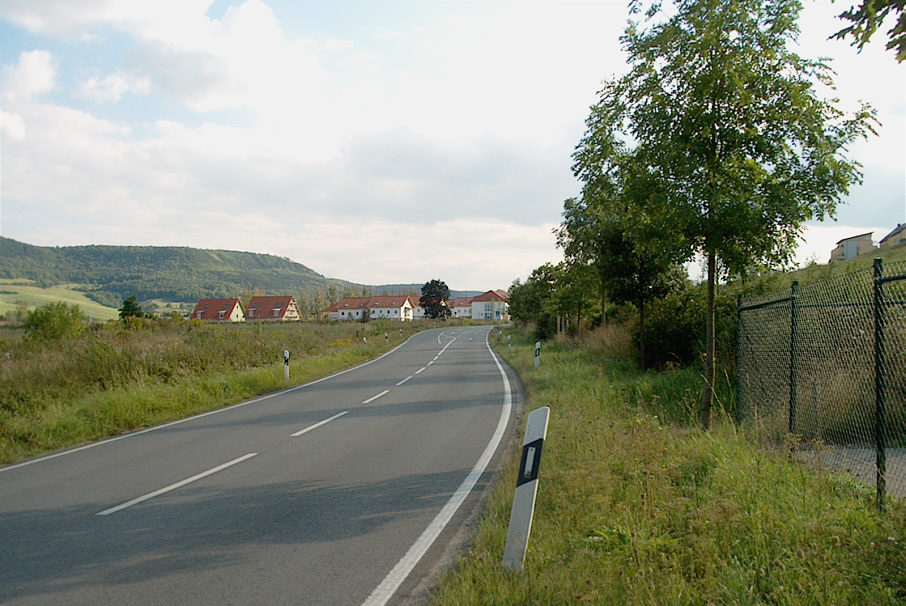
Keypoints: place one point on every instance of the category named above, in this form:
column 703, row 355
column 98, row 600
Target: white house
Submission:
column 389, row 307
column 491, row 305
column 461, row 307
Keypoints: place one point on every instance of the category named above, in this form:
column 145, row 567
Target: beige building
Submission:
column 852, row 247
column 894, row 238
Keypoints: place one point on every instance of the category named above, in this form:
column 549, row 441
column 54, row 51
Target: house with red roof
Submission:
column 461, row 307
column 274, row 308
column 491, row 305
column 391, row 307
column 219, row 310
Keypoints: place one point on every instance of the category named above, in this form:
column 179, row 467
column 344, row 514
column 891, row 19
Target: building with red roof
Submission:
column 219, row 310
column 274, row 308
column 491, row 305
column 392, row 307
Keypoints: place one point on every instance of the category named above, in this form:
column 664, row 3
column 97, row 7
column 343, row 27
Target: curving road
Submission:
column 328, row 493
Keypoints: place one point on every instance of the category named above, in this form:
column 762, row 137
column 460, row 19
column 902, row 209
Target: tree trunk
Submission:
column 710, row 361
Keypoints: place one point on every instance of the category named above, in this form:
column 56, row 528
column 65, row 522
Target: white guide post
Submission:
column 286, row 365
column 526, row 489
column 537, row 353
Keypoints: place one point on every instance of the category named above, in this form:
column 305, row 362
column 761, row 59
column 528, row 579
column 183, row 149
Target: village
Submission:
column 491, row 305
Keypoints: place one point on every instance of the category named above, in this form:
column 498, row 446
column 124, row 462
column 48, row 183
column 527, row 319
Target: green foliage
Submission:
column 434, row 299
column 55, row 321
column 868, row 17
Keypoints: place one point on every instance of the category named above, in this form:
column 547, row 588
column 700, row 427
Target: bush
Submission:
column 55, row 321
column 675, row 327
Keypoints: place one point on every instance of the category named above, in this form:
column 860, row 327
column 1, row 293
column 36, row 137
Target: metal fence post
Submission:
column 794, row 329
column 880, row 404
column 739, row 341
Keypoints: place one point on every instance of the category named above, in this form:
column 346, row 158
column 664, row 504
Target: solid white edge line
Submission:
column 373, row 398
column 179, row 484
column 201, row 415
column 385, row 590
column 404, row 380
column 318, row 424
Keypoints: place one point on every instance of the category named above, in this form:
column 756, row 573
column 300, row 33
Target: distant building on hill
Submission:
column 218, row 310
column 278, row 309
column 852, row 247
column 894, row 238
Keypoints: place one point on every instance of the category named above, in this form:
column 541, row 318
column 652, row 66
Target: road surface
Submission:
column 328, row 493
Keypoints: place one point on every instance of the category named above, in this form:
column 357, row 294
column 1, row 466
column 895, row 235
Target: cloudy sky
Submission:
column 374, row 141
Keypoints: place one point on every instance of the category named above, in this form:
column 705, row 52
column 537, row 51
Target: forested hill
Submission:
column 159, row 272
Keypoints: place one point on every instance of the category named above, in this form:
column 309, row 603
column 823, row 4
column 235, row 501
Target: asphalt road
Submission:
column 329, row 493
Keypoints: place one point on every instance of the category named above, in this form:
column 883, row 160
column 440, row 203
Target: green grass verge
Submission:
column 16, row 293
column 638, row 506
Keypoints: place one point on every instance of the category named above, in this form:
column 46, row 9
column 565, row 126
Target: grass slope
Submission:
column 635, row 509
column 15, row 293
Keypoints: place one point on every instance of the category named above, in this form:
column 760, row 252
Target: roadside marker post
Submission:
column 286, row 365
column 526, row 489
column 537, row 353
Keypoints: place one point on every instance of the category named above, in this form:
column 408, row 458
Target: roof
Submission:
column 461, row 302
column 898, row 229
column 387, row 301
column 855, row 237
column 263, row 306
column 210, row 308
column 492, row 295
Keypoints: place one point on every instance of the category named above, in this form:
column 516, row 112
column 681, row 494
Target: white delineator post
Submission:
column 286, row 365
column 526, row 489
column 537, row 353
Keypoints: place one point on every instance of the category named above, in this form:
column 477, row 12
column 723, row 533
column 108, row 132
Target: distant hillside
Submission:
column 167, row 273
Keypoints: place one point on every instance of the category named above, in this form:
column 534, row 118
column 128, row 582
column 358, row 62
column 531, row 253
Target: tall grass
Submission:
column 59, row 393
column 637, row 505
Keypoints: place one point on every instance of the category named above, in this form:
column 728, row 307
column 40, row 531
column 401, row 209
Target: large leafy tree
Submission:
column 726, row 120
column 434, row 299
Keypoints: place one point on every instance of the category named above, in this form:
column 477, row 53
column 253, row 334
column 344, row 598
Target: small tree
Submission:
column 131, row 309
column 434, row 299
column 725, row 118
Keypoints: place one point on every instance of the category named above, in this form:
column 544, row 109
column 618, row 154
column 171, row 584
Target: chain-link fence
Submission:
column 822, row 370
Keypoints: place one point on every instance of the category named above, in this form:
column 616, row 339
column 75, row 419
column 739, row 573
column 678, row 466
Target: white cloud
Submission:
column 12, row 125
column 111, row 88
column 33, row 75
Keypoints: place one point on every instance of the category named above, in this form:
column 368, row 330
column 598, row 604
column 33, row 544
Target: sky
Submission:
column 379, row 142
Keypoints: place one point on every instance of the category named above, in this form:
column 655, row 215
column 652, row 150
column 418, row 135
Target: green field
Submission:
column 15, row 293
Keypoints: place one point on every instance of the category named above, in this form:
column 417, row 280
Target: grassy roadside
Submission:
column 59, row 394
column 637, row 507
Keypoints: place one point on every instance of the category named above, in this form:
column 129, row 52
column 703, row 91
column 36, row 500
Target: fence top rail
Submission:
column 752, row 306
column 892, row 278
